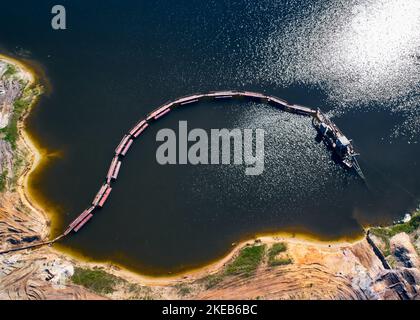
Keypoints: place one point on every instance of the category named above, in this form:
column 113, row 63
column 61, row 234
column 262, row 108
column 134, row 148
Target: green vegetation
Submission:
column 391, row 231
column 212, row 280
column 10, row 71
column 247, row 262
column 20, row 106
column 281, row 262
column 18, row 164
column 274, row 251
column 3, row 181
column 388, row 232
column 183, row 289
column 139, row 292
column 11, row 131
column 96, row 280
column 134, row 288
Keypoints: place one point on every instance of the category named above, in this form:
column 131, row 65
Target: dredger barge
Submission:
column 333, row 137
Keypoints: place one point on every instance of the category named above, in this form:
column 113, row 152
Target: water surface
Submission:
column 358, row 60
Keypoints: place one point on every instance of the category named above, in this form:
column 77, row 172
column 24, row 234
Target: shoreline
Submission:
column 35, row 158
column 210, row 268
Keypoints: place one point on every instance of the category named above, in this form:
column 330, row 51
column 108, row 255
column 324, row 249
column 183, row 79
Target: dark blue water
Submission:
column 119, row 60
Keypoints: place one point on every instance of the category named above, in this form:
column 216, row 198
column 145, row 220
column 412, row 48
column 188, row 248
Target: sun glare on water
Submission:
column 378, row 46
column 360, row 53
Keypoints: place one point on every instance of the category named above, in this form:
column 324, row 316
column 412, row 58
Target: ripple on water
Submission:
column 363, row 54
column 298, row 171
